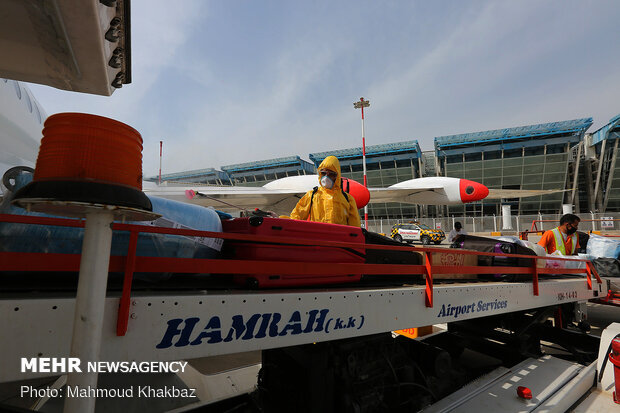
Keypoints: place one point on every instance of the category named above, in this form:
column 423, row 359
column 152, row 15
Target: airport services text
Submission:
column 476, row 307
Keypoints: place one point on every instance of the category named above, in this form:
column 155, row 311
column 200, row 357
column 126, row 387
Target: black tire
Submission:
column 437, row 242
column 425, row 240
column 8, row 179
column 398, row 238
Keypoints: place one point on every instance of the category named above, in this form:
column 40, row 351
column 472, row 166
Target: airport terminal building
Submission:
column 528, row 157
column 256, row 173
column 559, row 155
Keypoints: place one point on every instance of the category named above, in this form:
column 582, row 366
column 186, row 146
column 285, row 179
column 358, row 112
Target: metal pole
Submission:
column 364, row 163
column 160, row 150
column 598, row 175
column 506, row 217
column 89, row 306
column 540, row 219
column 361, row 105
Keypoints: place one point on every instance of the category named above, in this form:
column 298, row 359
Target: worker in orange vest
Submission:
column 563, row 238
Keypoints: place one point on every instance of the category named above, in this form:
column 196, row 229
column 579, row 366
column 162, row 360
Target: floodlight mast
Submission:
column 361, row 105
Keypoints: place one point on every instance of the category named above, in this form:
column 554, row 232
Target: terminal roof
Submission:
column 189, row 174
column 371, row 150
column 609, row 131
column 531, row 131
column 268, row 163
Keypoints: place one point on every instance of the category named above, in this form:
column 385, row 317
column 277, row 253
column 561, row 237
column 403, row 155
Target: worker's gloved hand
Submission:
column 260, row 213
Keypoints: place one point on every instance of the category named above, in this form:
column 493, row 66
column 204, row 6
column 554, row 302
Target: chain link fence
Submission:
column 608, row 222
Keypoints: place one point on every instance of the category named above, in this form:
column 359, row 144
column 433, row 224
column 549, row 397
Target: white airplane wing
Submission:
column 282, row 195
column 407, row 195
column 82, row 46
column 436, row 190
column 231, row 198
column 520, row 193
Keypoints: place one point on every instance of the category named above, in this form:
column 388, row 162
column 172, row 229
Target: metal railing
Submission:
column 605, row 222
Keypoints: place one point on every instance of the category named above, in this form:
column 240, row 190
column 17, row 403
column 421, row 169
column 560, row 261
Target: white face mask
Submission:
column 326, row 182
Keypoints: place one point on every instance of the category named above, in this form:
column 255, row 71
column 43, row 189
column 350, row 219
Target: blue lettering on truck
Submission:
column 475, row 307
column 193, row 331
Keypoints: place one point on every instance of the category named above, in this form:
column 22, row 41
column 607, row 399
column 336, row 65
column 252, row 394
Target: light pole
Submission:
column 361, row 105
column 161, row 143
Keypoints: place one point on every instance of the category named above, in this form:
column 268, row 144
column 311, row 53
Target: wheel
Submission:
column 437, row 242
column 398, row 238
column 9, row 177
column 425, row 240
column 584, row 326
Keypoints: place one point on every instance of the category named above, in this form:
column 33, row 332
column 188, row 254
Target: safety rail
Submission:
column 534, row 227
column 535, row 231
column 523, row 235
column 47, row 262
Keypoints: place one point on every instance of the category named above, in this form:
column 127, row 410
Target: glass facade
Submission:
column 381, row 174
column 610, row 182
column 606, row 141
column 208, row 176
column 513, row 170
column 532, row 157
column 259, row 173
column 261, row 176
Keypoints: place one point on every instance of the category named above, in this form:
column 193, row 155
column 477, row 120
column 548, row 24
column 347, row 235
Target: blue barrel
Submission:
column 64, row 240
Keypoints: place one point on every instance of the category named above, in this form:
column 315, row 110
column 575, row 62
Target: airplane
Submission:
column 281, row 195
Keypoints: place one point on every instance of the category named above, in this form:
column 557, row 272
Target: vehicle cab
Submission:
column 414, row 231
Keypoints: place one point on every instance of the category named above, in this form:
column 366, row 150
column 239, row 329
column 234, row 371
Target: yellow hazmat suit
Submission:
column 328, row 205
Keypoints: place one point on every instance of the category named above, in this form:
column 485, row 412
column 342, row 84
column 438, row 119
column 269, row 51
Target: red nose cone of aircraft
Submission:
column 472, row 191
column 357, row 191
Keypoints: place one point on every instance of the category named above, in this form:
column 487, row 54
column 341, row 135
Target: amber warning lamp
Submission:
column 87, row 162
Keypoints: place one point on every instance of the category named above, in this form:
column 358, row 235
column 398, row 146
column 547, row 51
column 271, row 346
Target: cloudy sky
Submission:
column 223, row 82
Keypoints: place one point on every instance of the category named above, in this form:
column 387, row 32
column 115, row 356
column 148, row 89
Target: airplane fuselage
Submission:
column 21, row 122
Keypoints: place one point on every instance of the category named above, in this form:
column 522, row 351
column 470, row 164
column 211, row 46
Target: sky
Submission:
column 225, row 82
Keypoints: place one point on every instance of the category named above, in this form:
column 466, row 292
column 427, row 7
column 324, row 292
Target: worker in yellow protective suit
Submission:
column 328, row 202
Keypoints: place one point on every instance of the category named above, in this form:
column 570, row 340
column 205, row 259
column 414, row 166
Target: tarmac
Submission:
column 602, row 315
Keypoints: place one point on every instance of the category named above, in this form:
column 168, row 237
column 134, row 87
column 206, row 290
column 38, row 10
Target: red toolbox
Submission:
column 302, row 230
